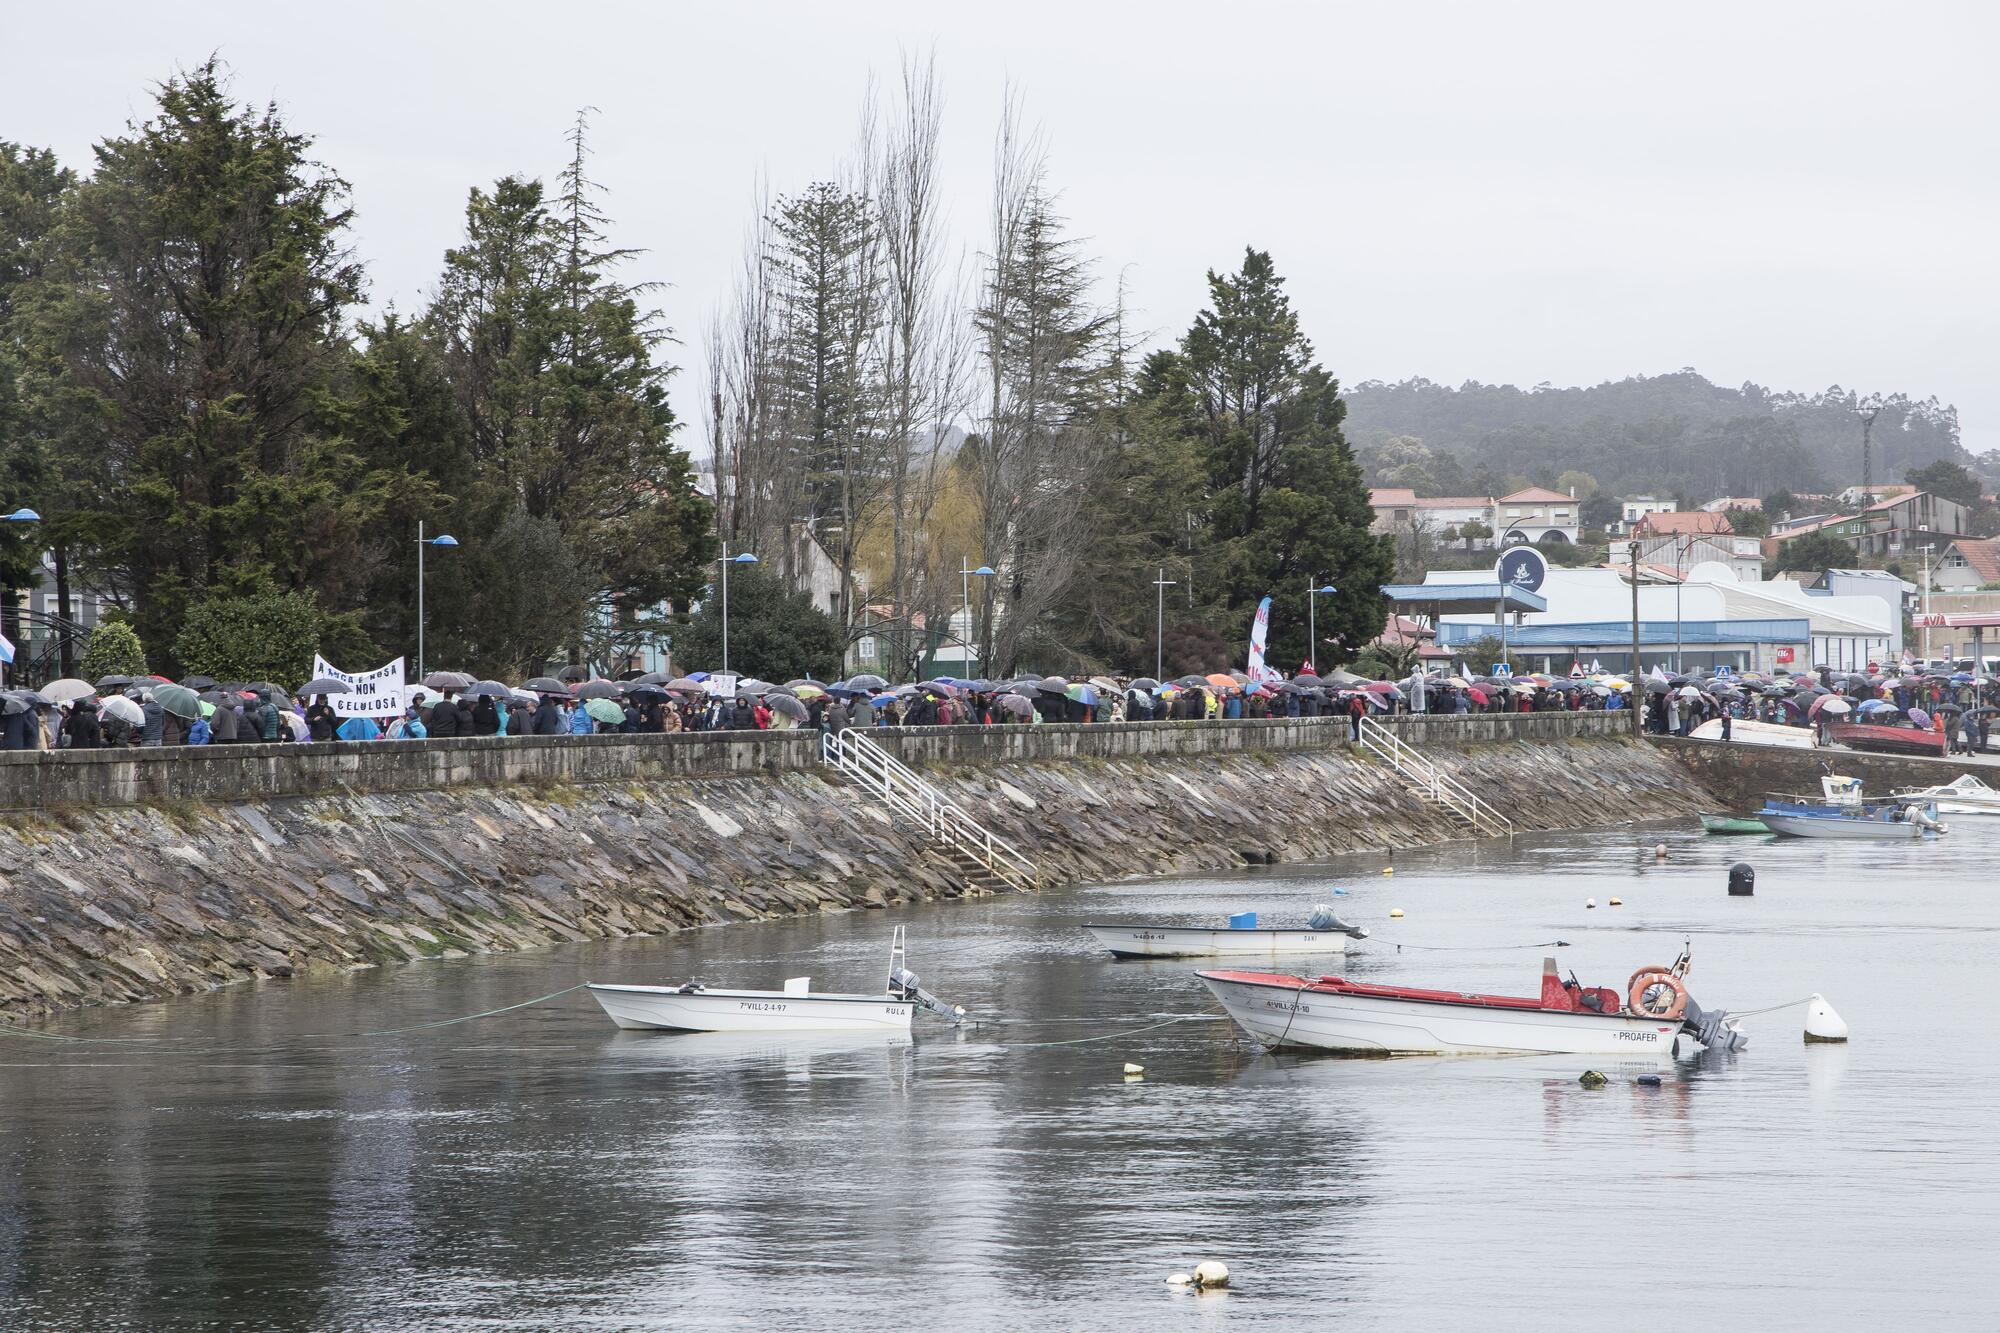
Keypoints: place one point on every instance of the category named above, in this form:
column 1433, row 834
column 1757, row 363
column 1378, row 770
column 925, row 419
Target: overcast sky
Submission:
column 1800, row 195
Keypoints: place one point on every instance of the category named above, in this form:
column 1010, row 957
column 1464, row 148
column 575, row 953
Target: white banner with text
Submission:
column 377, row 693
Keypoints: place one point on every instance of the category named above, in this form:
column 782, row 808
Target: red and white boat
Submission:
column 1657, row 1019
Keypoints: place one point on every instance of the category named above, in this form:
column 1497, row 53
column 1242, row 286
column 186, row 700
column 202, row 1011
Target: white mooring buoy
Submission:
column 1134, row 1069
column 1211, row 1273
column 1396, row 912
column 1590, row 902
column 1822, row 1024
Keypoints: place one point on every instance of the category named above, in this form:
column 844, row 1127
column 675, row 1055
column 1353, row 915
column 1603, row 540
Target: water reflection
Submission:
column 542, row 1169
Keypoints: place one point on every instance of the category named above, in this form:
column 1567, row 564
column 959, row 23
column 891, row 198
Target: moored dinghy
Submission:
column 1242, row 938
column 1658, row 1020
column 797, row 1008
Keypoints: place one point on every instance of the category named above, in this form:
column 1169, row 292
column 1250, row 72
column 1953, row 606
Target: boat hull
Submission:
column 667, row 1009
column 1757, row 733
column 1288, row 1016
column 1733, row 824
column 1140, row 941
column 1841, row 829
column 1887, row 740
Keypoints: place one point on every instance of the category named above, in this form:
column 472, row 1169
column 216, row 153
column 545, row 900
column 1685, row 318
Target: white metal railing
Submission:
column 882, row 774
column 1433, row 781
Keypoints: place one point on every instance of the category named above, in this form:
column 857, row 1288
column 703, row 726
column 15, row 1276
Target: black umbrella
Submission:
column 200, row 682
column 33, row 699
column 112, row 683
column 597, row 689
column 1307, row 679
column 573, row 674
column 643, row 692
column 1026, row 689
column 488, row 689
column 266, row 687
column 546, row 685
column 322, row 685
column 11, row 704
column 447, row 680
column 868, row 682
column 786, row 704
column 1192, row 682
column 1144, row 683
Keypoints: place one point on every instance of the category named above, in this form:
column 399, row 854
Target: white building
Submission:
column 1535, row 515
column 1710, row 619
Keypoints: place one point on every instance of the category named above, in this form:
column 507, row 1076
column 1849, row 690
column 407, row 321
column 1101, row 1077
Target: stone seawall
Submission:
column 99, row 778
column 109, row 905
column 1741, row 776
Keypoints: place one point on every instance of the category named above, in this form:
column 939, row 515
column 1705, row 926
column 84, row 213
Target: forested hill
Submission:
column 1660, row 434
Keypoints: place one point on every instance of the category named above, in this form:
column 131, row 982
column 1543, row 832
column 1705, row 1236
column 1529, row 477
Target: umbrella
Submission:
column 1690, row 692
column 525, row 699
column 1221, row 680
column 448, row 680
column 1830, row 705
column 1192, row 682
column 200, row 682
column 868, row 682
column 1083, row 694
column 573, row 674
column 1310, row 681
column 68, row 690
column 178, row 700
column 34, row 698
column 112, row 683
column 117, row 705
column 597, row 689
column 550, row 685
column 786, row 704
column 944, row 685
column 207, row 708
column 1144, row 683
column 1015, row 704
column 1921, row 718
column 1055, row 684
column 603, row 709
column 1876, row 706
column 10, row 704
column 804, row 690
column 756, row 689
column 488, row 689
column 644, row 693
column 300, row 731
column 685, row 685
column 1106, row 684
column 322, row 685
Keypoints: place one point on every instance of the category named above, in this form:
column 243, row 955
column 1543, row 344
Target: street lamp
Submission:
column 740, row 558
column 1312, row 621
column 21, row 515
column 965, row 587
column 1162, row 583
column 444, row 539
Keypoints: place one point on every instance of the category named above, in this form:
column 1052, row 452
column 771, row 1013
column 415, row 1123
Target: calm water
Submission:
column 538, row 1169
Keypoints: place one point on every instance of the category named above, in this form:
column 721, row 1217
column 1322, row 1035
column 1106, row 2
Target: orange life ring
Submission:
column 1646, row 979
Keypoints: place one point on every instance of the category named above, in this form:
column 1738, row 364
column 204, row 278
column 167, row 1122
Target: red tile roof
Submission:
column 1536, row 495
column 1391, row 495
column 1982, row 554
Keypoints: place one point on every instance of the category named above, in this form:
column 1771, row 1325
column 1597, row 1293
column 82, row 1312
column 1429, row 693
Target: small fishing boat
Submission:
column 695, row 1007
column 1742, row 731
column 1241, row 938
column 1843, row 815
column 1964, row 795
column 1870, row 825
column 1658, row 1019
column 1733, row 824
column 1882, row 739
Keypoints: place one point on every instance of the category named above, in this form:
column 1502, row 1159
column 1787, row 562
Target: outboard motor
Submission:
column 1714, row 1028
column 1322, row 918
column 903, row 986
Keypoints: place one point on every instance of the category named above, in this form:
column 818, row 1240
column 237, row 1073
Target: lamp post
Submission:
column 1161, row 584
column 965, row 588
column 443, row 539
column 1312, row 620
column 740, row 558
column 21, row 515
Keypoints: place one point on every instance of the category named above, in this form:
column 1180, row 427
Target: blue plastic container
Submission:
column 1243, row 921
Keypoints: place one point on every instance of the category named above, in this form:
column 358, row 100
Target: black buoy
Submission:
column 1742, row 880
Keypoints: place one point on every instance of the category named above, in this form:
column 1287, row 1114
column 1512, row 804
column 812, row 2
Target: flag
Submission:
column 1260, row 630
column 6, row 649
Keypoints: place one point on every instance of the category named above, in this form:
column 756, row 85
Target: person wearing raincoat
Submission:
column 322, row 723
column 410, row 726
column 153, row 730
column 580, row 722
column 80, row 729
column 359, row 729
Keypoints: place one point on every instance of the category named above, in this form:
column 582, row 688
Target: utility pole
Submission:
column 1868, row 416
column 1161, row 584
column 1638, row 685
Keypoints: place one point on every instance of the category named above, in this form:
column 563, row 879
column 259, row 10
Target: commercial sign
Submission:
column 1522, row 566
column 377, row 693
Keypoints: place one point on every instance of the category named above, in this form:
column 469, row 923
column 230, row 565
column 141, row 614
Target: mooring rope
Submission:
column 1769, row 1008
column 1113, row 1036
column 1475, row 948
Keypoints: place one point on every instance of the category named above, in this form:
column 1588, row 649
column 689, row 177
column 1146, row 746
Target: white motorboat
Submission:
column 1323, row 934
column 695, row 1007
column 1659, row 1020
column 1742, row 731
column 1963, row 795
column 1854, row 826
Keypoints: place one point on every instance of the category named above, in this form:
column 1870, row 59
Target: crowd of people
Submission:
column 152, row 711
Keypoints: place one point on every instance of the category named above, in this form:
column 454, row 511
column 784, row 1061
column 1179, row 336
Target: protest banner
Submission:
column 377, row 693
